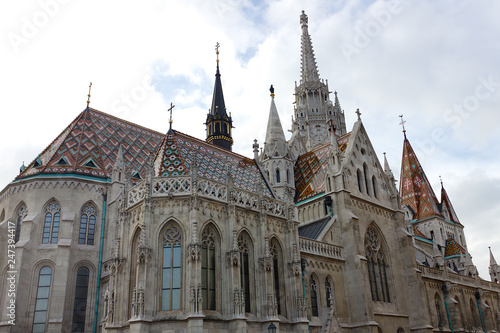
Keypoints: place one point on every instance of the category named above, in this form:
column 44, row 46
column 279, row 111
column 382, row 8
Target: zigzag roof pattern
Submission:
column 179, row 152
column 89, row 146
column 310, row 170
column 453, row 248
column 414, row 188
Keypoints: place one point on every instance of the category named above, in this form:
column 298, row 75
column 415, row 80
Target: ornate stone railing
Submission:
column 273, row 207
column 212, row 189
column 170, row 185
column 136, row 193
column 245, row 199
column 182, row 185
column 430, row 272
column 490, row 285
column 319, row 248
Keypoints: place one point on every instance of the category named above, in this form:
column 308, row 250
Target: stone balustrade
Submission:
column 183, row 185
column 319, row 248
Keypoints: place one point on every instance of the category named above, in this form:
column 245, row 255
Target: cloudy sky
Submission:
column 434, row 62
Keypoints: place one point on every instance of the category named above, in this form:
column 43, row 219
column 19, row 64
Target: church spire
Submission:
column 219, row 124
column 275, row 137
column 414, row 188
column 308, row 61
column 492, row 259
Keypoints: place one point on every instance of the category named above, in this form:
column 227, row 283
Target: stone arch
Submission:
column 439, row 311
column 51, row 217
column 88, row 222
column 378, row 264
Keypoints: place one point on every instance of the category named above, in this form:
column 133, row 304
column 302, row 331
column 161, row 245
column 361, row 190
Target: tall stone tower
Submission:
column 314, row 112
column 219, row 124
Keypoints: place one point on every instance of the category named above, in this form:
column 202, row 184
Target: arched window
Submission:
column 475, row 317
column 365, row 172
column 51, row 223
column 171, row 270
column 22, row 211
column 330, row 301
column 275, row 251
column 288, row 176
column 458, row 313
column 360, row 181
column 439, row 309
column 87, row 225
column 377, row 266
column 208, row 268
column 278, row 180
column 329, row 184
column 374, row 186
column 245, row 248
column 314, row 298
column 42, row 300
column 80, row 306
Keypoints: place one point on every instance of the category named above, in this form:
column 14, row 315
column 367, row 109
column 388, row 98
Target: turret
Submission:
column 494, row 268
column 219, row 124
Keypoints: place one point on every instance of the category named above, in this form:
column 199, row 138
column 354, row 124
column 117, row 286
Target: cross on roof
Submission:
column 402, row 123
column 88, row 99
column 217, row 45
column 358, row 113
column 170, row 110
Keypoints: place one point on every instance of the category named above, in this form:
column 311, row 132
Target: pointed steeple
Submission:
column 313, row 108
column 308, row 61
column 219, row 124
column 492, row 259
column 446, row 204
column 414, row 188
column 275, row 137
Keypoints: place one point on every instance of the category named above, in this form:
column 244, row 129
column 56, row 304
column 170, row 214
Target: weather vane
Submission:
column 88, row 99
column 170, row 110
column 217, row 45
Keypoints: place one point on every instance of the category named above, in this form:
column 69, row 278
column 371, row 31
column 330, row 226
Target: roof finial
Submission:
column 88, row 99
column 359, row 114
column 170, row 110
column 441, row 180
column 217, row 45
column 402, row 123
column 271, row 90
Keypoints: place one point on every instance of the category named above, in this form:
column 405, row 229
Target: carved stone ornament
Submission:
column 233, row 258
column 194, row 250
column 266, row 262
column 294, row 267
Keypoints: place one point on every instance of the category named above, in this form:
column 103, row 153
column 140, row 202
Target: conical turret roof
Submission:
column 414, row 188
column 275, row 137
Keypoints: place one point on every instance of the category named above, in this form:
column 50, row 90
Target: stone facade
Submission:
column 117, row 228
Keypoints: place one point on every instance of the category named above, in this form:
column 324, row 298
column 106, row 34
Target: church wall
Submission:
column 64, row 258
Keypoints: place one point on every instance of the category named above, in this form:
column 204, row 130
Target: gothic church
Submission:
column 118, row 228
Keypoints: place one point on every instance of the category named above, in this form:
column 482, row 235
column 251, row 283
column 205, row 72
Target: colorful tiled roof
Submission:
column 89, row 145
column 453, row 248
column 418, row 233
column 179, row 151
column 310, row 171
column 414, row 188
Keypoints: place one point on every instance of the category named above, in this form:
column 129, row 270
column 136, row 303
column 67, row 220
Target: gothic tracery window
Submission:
column 171, row 270
column 244, row 246
column 275, row 252
column 314, row 297
column 21, row 214
column 51, row 223
column 377, row 266
column 208, row 268
column 87, row 225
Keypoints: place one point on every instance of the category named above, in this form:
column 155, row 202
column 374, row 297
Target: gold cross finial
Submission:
column 170, row 110
column 88, row 99
column 402, row 123
column 217, row 45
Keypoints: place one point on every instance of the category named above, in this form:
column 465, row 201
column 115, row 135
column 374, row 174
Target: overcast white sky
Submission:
column 435, row 62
